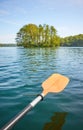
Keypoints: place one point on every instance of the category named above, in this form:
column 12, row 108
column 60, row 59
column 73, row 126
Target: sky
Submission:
column 65, row 15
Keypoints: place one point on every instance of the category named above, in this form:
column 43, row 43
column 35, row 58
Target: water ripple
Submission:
column 22, row 72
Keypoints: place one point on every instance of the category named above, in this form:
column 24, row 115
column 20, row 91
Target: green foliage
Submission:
column 76, row 40
column 32, row 35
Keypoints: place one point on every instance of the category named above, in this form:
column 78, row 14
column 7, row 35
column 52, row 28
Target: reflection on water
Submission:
column 57, row 121
column 22, row 72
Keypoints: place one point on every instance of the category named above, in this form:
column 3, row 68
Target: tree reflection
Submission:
column 57, row 121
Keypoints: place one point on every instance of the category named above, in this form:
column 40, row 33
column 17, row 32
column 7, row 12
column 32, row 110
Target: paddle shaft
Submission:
column 12, row 122
column 55, row 83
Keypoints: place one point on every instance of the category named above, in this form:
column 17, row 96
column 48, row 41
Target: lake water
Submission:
column 22, row 72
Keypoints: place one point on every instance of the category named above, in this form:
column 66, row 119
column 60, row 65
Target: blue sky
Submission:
column 65, row 15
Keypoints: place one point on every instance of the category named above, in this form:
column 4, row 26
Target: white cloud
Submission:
column 4, row 12
column 64, row 31
column 21, row 10
column 55, row 3
column 7, row 38
column 78, row 2
column 8, row 21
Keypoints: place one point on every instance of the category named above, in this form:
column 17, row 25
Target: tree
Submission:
column 52, row 33
column 76, row 40
column 40, row 34
column 27, row 35
column 32, row 35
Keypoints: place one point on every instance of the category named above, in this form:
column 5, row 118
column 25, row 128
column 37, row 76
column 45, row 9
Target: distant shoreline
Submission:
column 15, row 45
column 7, row 45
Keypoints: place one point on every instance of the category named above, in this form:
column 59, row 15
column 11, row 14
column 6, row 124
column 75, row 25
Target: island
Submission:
column 32, row 35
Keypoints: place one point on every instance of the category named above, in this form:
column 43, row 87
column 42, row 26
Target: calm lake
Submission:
column 22, row 72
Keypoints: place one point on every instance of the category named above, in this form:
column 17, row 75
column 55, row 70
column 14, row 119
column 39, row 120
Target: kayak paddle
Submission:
column 54, row 84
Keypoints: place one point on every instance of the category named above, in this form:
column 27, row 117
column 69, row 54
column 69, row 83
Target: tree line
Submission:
column 76, row 40
column 32, row 35
column 7, row 45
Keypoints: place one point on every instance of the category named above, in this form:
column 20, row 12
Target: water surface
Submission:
column 21, row 73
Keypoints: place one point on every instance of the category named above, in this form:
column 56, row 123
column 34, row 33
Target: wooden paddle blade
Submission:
column 55, row 83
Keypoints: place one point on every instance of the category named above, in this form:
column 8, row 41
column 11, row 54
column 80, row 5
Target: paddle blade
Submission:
column 55, row 83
